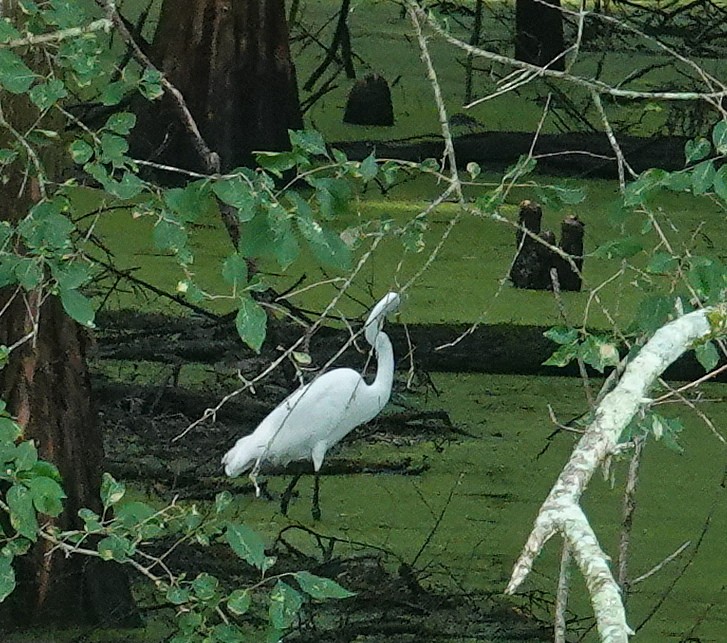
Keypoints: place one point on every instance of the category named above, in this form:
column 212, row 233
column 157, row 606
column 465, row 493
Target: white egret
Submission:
column 320, row 414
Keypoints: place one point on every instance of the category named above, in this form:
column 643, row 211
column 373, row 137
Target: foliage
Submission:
column 207, row 608
column 692, row 280
column 289, row 206
column 48, row 251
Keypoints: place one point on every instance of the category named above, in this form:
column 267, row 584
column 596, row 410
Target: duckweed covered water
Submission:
column 497, row 481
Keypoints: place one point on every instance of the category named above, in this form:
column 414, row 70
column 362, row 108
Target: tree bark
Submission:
column 231, row 61
column 47, row 388
column 539, row 33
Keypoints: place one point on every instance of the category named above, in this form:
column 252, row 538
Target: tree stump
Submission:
column 369, row 102
column 534, row 260
column 527, row 267
column 571, row 242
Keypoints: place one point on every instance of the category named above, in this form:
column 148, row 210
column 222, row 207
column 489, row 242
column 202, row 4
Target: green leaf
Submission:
column 666, row 429
column 189, row 623
column 619, row 248
column 598, row 353
column 22, row 514
column 708, row 277
column 8, row 32
column 697, row 149
column 113, row 93
column 228, row 633
column 247, row 544
column 46, row 226
column 251, row 323
column 140, row 517
column 91, row 520
column 662, row 263
column 70, row 274
column 720, row 183
column 237, row 192
column 150, row 84
column 178, row 595
column 563, row 356
column 29, row 273
column 562, row 335
column 7, row 156
column 15, row 75
column 326, row 245
column 7, row 574
column 128, row 187
column 707, row 355
column 639, row 190
column 309, row 141
column 78, row 307
column 170, row 235
column 678, row 181
column 703, row 177
column 113, row 148
column 321, row 588
column 9, row 430
column 47, row 495
column 121, row 123
column 111, row 490
column 26, row 456
column 239, row 602
column 719, row 137
column 369, row 168
column 652, row 313
column 234, row 270
column 115, row 547
column 285, row 603
column 569, row 196
column 191, row 202
column 222, row 501
column 44, row 95
column 47, row 470
column 81, row 152
column 277, row 162
column 333, row 196
column 205, row 586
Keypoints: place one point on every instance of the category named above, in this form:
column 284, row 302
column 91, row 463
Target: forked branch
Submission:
column 561, row 511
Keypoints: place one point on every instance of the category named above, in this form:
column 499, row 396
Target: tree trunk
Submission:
column 231, row 61
column 46, row 387
column 539, row 33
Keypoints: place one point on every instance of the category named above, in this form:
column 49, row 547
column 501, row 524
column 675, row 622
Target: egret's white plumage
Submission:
column 320, row 414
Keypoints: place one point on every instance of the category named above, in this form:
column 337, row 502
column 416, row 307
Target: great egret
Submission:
column 321, row 413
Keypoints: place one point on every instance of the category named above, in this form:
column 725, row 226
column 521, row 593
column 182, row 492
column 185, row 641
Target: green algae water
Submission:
column 489, row 487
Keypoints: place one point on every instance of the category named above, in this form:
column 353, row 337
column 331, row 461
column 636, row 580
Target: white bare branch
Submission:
column 561, row 512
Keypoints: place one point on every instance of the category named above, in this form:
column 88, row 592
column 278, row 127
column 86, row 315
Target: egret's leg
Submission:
column 316, row 509
column 288, row 493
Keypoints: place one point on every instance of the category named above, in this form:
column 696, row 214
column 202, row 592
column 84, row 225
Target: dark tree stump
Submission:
column 534, row 260
column 571, row 242
column 526, row 269
column 539, row 33
column 369, row 102
column 546, row 259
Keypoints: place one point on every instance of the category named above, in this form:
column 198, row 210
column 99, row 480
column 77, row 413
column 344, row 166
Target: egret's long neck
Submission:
column 381, row 386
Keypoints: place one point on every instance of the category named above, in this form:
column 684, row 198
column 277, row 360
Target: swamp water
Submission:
column 490, row 486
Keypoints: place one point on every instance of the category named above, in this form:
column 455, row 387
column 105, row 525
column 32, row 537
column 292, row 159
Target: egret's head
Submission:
column 242, row 456
column 388, row 304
